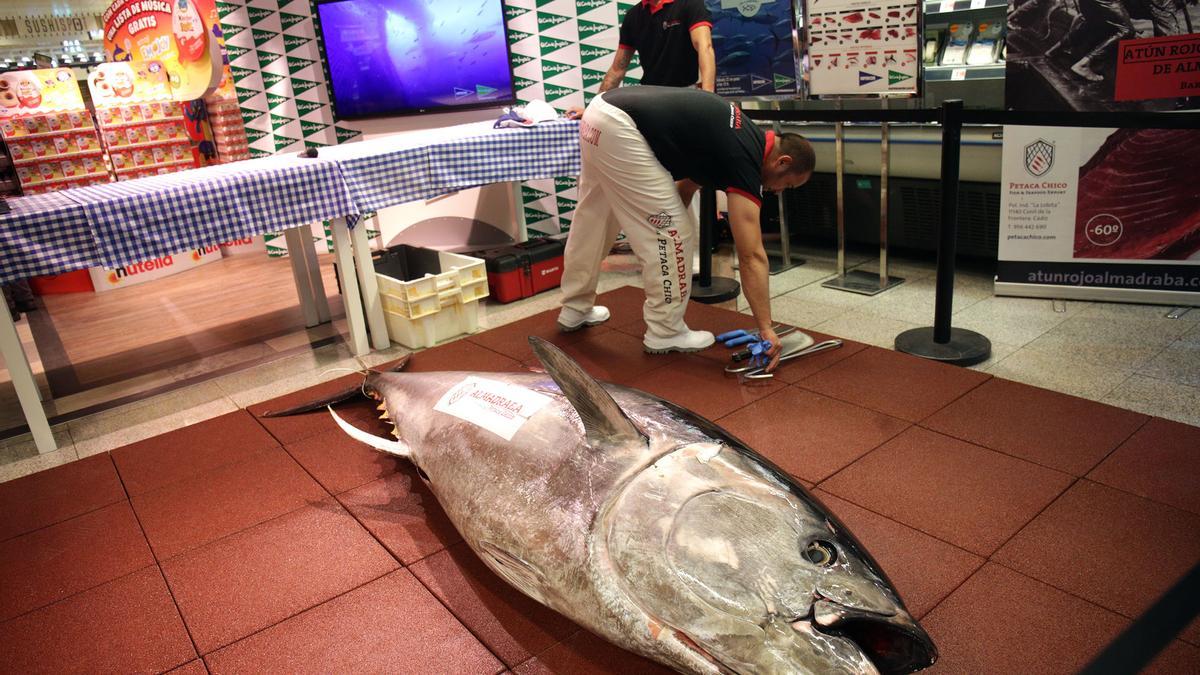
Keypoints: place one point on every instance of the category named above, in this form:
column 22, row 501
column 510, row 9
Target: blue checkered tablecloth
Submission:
column 163, row 215
column 484, row 155
column 383, row 172
column 44, row 234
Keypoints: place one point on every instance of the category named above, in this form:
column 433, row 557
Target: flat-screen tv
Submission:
column 404, row 57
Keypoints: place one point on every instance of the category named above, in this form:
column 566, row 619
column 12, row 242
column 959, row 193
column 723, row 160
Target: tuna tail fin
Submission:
column 603, row 419
column 384, row 444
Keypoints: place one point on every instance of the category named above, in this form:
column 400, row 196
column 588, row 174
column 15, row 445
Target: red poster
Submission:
column 1160, row 67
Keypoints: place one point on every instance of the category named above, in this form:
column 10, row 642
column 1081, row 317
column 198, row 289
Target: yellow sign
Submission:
column 29, row 92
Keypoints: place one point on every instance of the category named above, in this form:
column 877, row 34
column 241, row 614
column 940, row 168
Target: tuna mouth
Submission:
column 895, row 644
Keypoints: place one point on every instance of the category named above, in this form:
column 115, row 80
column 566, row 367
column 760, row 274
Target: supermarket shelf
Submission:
column 160, row 165
column 47, row 134
column 125, row 125
column 26, row 161
column 993, row 71
column 933, row 7
column 150, row 144
column 68, row 179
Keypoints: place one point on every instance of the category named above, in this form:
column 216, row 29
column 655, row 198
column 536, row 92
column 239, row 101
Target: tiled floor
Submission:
column 1026, row 528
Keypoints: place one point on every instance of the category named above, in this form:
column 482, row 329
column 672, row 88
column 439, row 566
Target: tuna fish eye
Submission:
column 820, row 553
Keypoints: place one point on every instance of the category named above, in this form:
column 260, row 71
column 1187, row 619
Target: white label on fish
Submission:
column 489, row 404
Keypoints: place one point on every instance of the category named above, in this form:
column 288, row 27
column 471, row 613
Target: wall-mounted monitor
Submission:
column 405, row 57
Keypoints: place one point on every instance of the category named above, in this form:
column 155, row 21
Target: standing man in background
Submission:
column 673, row 40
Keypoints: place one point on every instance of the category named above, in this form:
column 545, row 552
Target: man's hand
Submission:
column 776, row 349
column 574, row 113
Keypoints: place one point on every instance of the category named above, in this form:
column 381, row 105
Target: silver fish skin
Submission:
column 647, row 524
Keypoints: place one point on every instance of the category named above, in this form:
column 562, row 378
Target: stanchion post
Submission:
column 705, row 287
column 956, row 346
column 948, row 235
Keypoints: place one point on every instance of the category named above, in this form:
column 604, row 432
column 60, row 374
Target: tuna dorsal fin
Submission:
column 603, row 419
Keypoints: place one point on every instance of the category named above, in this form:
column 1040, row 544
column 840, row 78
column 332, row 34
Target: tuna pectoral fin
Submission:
column 603, row 419
column 385, row 444
column 336, row 397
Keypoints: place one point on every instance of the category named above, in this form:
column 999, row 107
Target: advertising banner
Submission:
column 176, row 33
column 1092, row 211
column 755, row 52
column 863, row 47
column 32, row 92
column 105, row 279
column 1103, row 55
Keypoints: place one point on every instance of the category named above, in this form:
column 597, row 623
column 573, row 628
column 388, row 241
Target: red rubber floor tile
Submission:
column 401, row 512
column 512, row 625
column 701, row 386
column 391, row 625
column 58, row 494
column 1161, row 461
column 340, row 463
column 194, row 512
column 970, row 496
column 512, row 340
column 125, row 626
column 294, row 428
column 59, row 561
column 190, row 668
column 809, row 435
column 925, row 570
column 462, row 355
column 1045, row 427
column 256, row 578
column 586, row 654
column 1115, row 549
column 615, row 357
column 896, row 384
column 1000, row 621
column 176, row 455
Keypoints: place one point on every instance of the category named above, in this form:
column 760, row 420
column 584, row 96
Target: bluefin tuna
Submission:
column 646, row 523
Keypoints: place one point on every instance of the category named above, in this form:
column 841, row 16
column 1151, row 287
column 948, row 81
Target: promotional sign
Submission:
column 1093, row 55
column 175, row 33
column 1100, row 209
column 755, row 52
column 29, row 92
column 858, row 47
column 1163, row 67
column 105, row 279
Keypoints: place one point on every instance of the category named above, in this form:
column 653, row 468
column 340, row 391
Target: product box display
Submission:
column 49, row 132
column 144, row 132
column 522, row 270
column 958, row 40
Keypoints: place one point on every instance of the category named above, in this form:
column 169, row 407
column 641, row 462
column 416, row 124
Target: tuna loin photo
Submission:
column 1139, row 197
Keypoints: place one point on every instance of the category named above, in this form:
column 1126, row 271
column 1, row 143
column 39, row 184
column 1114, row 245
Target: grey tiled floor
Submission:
column 1125, row 355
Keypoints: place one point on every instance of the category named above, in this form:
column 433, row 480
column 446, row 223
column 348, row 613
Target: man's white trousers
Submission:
column 622, row 186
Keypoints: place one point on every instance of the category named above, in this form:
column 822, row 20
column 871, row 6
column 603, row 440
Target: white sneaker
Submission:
column 572, row 319
column 687, row 341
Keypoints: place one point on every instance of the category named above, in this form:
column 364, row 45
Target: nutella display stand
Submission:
column 142, row 129
column 49, row 131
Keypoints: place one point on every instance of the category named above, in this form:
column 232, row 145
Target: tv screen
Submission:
column 399, row 57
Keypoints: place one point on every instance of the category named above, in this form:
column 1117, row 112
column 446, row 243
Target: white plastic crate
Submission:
column 436, row 306
column 453, row 319
column 457, row 271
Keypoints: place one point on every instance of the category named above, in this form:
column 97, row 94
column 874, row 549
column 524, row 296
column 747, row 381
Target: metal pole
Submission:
column 885, row 160
column 941, row 342
column 947, row 246
column 840, row 168
column 708, row 216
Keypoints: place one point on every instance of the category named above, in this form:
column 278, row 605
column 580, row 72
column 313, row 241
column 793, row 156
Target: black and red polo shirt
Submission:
column 660, row 32
column 698, row 135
